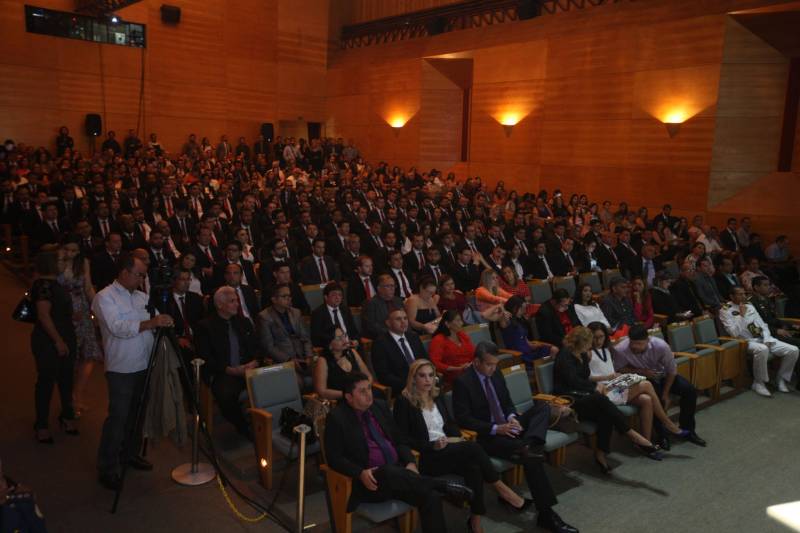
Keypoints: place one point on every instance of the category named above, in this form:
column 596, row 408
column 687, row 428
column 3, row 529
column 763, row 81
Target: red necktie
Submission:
column 367, row 289
column 323, row 275
column 208, row 254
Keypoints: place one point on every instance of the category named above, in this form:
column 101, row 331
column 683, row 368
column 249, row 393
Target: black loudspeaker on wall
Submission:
column 94, row 125
column 528, row 9
column 170, row 14
column 267, row 131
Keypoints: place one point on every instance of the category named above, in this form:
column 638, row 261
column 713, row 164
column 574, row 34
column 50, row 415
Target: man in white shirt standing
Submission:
column 126, row 327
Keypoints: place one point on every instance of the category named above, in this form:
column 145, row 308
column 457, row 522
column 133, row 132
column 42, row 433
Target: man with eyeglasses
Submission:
column 283, row 333
column 376, row 310
column 126, row 327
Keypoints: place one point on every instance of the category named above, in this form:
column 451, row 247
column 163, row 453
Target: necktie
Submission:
column 472, row 247
column 208, row 254
column 547, row 267
column 241, row 304
column 403, row 285
column 105, row 227
column 649, row 271
column 182, row 222
column 55, row 227
column 336, row 322
column 406, row 352
column 158, row 256
column 569, row 259
column 435, row 270
column 421, row 259
column 182, row 300
column 494, row 405
column 367, row 290
column 389, row 455
column 523, row 247
column 323, row 275
column 233, row 343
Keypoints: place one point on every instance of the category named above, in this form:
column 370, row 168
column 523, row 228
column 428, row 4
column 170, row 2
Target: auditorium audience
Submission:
column 421, row 307
column 394, row 350
column 514, row 328
column 451, row 350
column 339, row 359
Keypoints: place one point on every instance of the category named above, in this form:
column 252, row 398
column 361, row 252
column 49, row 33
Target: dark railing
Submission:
column 101, row 7
column 458, row 16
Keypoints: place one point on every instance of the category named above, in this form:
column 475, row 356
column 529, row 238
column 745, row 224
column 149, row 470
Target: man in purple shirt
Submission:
column 652, row 357
column 363, row 442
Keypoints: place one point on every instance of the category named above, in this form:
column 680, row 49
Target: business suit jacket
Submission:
column 411, row 264
column 389, row 362
column 410, row 421
column 664, row 303
column 729, row 241
column 471, row 406
column 537, row 267
column 626, row 257
column 45, row 234
column 607, row 258
column 560, row 265
column 213, row 345
column 309, row 270
column 247, row 270
column 276, row 342
column 684, row 292
column 322, row 327
column 466, row 278
column 347, row 263
column 636, row 266
column 356, row 295
column 346, row 446
column 104, row 269
column 725, row 285
column 250, row 301
column 195, row 311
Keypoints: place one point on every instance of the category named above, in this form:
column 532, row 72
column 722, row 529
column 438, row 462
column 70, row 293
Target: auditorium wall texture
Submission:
column 589, row 91
column 226, row 68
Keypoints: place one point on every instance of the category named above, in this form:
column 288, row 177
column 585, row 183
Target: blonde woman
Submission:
column 489, row 293
column 422, row 414
column 572, row 378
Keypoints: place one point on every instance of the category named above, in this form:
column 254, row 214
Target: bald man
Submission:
column 228, row 344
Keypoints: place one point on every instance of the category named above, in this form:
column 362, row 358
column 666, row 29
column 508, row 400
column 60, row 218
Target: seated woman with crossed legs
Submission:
column 642, row 395
column 422, row 415
column 591, row 403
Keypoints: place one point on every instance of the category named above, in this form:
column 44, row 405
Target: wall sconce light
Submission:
column 508, row 121
column 397, row 123
column 673, row 122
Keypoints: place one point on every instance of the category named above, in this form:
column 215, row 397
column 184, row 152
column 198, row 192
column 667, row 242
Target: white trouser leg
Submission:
column 788, row 353
column 760, row 354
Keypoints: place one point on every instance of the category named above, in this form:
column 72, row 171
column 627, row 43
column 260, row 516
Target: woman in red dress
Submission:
column 451, row 350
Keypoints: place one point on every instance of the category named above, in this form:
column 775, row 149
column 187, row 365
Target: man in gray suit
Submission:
column 283, row 333
column 375, row 311
column 705, row 286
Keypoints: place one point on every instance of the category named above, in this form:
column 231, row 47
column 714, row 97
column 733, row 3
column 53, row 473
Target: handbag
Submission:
column 290, row 418
column 25, row 310
column 563, row 417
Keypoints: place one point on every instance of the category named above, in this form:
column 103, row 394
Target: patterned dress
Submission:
column 88, row 347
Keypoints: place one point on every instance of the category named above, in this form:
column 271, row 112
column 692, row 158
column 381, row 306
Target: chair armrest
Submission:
column 260, row 414
column 387, row 391
column 338, row 481
column 468, row 434
column 725, row 338
column 712, row 346
column 515, row 353
column 686, row 354
column 310, row 396
column 790, row 320
column 661, row 319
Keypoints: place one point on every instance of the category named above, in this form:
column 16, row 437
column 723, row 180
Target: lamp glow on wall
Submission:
column 673, row 121
column 508, row 120
column 397, row 122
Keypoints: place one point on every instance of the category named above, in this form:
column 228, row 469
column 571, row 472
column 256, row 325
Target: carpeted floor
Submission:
column 750, row 463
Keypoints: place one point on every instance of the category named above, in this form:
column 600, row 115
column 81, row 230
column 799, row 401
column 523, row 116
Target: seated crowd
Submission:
column 233, row 240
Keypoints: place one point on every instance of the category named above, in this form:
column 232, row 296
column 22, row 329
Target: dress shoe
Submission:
column 651, row 452
column 44, row 437
column 681, row 434
column 665, row 445
column 694, row 438
column 526, row 453
column 783, row 386
column 67, row 425
column 761, row 389
column 110, row 481
column 550, row 521
column 526, row 504
column 457, row 491
column 140, row 463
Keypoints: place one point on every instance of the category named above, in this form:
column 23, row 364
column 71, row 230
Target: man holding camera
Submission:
column 126, row 327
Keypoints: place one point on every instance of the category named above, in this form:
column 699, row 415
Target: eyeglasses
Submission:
column 283, row 295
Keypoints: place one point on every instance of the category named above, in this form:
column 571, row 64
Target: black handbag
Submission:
column 290, row 419
column 25, row 310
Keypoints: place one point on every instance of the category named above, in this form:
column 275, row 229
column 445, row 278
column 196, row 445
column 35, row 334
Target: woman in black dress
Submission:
column 572, row 378
column 422, row 414
column 338, row 360
column 53, row 343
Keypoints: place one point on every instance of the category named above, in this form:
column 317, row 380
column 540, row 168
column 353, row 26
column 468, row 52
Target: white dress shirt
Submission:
column 120, row 312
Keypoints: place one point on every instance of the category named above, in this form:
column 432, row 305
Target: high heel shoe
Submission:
column 681, row 434
column 43, row 440
column 604, row 468
column 652, row 452
column 69, row 431
column 526, row 503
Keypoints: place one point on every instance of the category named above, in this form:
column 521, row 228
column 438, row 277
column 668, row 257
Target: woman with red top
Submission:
column 451, row 350
column 511, row 283
column 450, row 299
column 642, row 303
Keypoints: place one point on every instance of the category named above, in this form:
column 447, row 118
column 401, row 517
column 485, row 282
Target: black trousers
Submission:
column 226, row 390
column 124, row 392
column 398, row 483
column 688, row 402
column 599, row 409
column 534, row 423
column 466, row 459
column 52, row 370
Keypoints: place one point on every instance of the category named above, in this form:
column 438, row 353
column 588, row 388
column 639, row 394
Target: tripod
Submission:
column 162, row 335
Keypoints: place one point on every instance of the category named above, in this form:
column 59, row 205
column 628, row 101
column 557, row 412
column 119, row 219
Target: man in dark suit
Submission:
column 362, row 284
column 606, row 256
column 103, row 223
column 725, row 278
column 433, row 265
column 337, row 242
column 233, row 255
column 728, row 238
column 51, row 230
column 228, row 344
column 83, row 234
column 561, row 262
column 186, row 308
column 646, row 265
column 132, row 237
column 331, row 315
column 539, row 265
column 395, row 350
column 625, row 252
column 104, row 263
column 414, row 260
column 684, row 292
column 548, row 322
column 404, row 282
column 666, row 217
column 207, row 256
column 318, row 268
column 181, row 225
column 349, row 257
column 363, row 442
column 466, row 273
column 482, row 403
column 248, row 301
column 68, row 206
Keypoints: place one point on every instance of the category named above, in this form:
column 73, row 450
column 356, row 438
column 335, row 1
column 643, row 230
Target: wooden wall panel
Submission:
column 366, row 10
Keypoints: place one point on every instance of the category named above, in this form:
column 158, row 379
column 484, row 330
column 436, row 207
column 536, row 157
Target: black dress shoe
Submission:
column 110, row 481
column 665, row 444
column 526, row 504
column 604, row 468
column 550, row 521
column 454, row 490
column 140, row 463
column 694, row 438
column 527, row 453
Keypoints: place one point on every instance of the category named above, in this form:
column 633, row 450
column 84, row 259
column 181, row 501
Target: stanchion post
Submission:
column 302, row 429
column 195, row 473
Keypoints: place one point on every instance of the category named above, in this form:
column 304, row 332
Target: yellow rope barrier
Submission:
column 235, row 510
